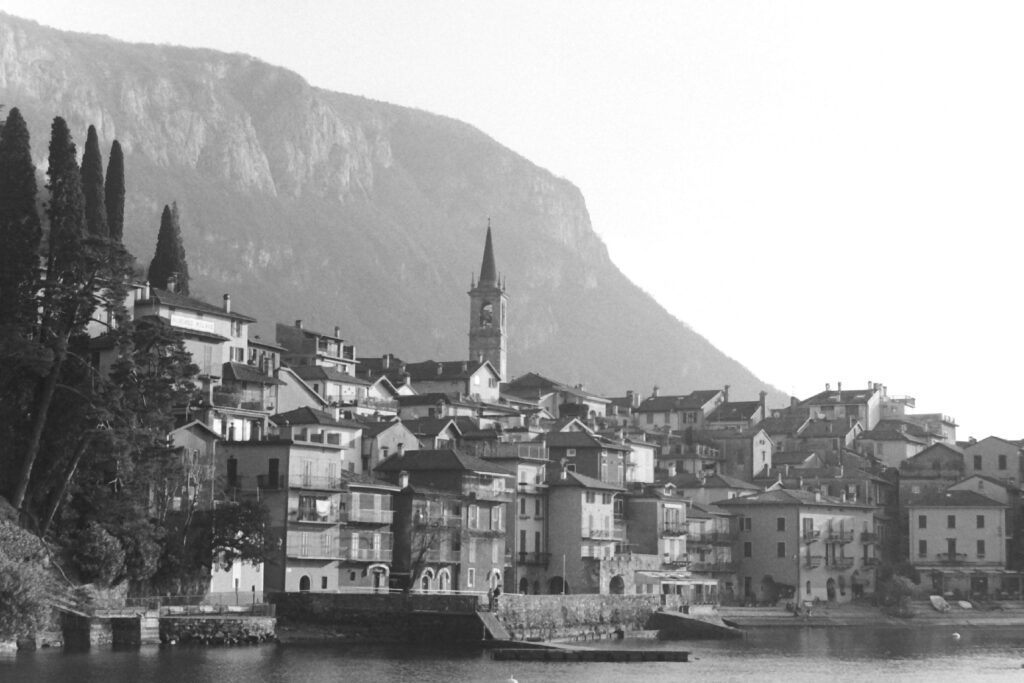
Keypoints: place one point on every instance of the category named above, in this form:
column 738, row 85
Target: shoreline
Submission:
column 828, row 616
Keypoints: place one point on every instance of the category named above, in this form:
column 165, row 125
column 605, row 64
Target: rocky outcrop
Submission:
column 304, row 203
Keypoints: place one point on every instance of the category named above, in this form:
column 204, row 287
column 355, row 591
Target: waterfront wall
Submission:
column 581, row 617
column 217, row 630
column 379, row 617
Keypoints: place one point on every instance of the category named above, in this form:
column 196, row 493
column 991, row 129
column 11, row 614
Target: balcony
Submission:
column 526, row 451
column 534, row 558
column 841, row 563
column 839, row 536
column 436, row 520
column 599, row 552
column 674, row 529
column 266, row 482
column 813, row 561
column 952, row 558
column 614, row 534
column 370, row 516
column 443, row 555
column 309, row 515
column 486, row 490
column 811, row 535
column 868, row 537
column 315, row 482
column 367, row 554
column 714, row 567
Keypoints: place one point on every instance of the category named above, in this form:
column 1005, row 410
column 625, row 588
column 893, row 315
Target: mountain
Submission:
column 338, row 210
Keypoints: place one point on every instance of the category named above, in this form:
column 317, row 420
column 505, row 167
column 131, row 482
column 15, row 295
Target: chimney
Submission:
column 440, row 369
column 337, row 332
column 401, row 448
column 839, row 387
column 298, row 324
column 655, row 392
column 172, row 282
column 227, row 303
column 844, row 495
column 147, row 291
column 793, row 401
column 672, row 469
column 336, row 413
column 787, row 469
column 763, row 395
column 817, row 496
column 385, row 361
column 828, row 387
column 725, row 393
column 465, row 366
column 403, row 478
column 631, row 398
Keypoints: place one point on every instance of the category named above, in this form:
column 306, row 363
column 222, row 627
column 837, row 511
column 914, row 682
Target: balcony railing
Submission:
column 812, row 561
column 334, row 516
column 315, row 482
column 534, row 558
column 952, row 558
column 601, row 552
column 841, row 563
column 368, row 554
column 265, row 481
column 714, row 567
column 370, row 516
column 674, row 529
column 811, row 535
column 614, row 534
column 839, row 535
column 443, row 555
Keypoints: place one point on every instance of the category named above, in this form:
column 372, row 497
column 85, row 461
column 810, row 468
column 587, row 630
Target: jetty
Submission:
column 578, row 654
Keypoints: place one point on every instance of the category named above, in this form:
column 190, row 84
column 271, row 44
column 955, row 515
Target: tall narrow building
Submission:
column 488, row 315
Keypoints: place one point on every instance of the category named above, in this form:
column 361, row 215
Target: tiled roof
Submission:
column 372, row 428
column 240, row 372
column 787, row 425
column 533, row 385
column 432, row 370
column 792, row 457
column 955, row 499
column 323, row 372
column 311, row 416
column 714, row 481
column 838, row 427
column 734, row 411
column 445, row 460
column 188, row 303
column 582, row 440
column 691, row 401
column 430, row 426
column 574, row 479
column 786, row 497
column 850, row 396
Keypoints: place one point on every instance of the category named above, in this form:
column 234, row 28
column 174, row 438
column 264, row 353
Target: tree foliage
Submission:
column 20, row 230
column 114, row 192
column 25, row 584
column 169, row 258
column 92, row 186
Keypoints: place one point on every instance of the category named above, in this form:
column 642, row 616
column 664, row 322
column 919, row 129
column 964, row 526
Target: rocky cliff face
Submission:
column 335, row 209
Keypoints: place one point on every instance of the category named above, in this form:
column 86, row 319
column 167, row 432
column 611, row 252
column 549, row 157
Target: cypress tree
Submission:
column 114, row 189
column 92, row 186
column 169, row 258
column 20, row 231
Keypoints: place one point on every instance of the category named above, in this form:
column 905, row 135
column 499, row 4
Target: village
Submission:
column 457, row 476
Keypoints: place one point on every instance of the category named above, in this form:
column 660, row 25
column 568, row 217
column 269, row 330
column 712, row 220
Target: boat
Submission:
column 939, row 603
column 964, row 604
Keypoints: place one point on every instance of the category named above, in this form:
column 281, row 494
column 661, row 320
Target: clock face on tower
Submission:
column 487, row 314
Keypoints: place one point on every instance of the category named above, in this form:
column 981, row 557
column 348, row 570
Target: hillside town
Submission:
column 465, row 474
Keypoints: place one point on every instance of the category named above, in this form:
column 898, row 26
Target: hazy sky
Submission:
column 827, row 191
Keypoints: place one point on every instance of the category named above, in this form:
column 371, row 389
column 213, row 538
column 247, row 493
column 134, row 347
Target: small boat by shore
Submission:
column 678, row 625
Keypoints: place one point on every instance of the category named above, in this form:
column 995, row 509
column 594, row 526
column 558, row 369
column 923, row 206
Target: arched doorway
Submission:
column 425, row 579
column 379, row 575
column 304, row 584
column 556, row 586
column 524, row 586
column 617, row 586
column 444, row 581
column 830, row 589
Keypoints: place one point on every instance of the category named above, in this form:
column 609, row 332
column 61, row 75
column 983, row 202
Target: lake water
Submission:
column 790, row 654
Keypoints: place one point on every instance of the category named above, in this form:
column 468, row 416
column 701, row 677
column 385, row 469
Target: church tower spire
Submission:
column 488, row 308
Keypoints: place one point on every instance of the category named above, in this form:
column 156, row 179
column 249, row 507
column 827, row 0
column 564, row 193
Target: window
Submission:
column 981, row 549
column 747, row 549
column 981, row 521
column 323, row 582
column 570, row 452
column 472, row 552
column 606, row 498
column 650, row 418
column 470, row 577
column 780, row 524
column 536, row 508
column 473, row 517
column 591, row 496
column 744, row 523
column 977, row 462
column 494, row 552
column 950, row 521
column 922, row 548
column 1002, row 462
column 536, row 541
column 522, row 506
column 780, row 549
column 922, row 521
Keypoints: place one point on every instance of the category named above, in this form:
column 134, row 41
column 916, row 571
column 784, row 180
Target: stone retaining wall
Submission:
column 217, row 630
column 581, row 617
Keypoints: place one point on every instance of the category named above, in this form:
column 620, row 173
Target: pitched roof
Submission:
column 240, row 372
column 787, row 497
column 323, row 372
column 433, row 370
column 819, row 427
column 372, row 428
column 713, row 481
column 444, row 460
column 582, row 440
column 311, row 416
column 577, row 480
column 850, row 396
column 954, row 499
column 691, row 401
column 792, row 457
column 488, row 271
column 534, row 385
column 175, row 300
column 783, row 425
column 430, row 426
column 733, row 411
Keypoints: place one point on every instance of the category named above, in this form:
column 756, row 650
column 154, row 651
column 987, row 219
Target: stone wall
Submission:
column 412, row 618
column 219, row 630
column 578, row 616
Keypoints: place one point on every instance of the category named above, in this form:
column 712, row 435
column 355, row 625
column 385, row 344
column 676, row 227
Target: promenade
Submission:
column 923, row 615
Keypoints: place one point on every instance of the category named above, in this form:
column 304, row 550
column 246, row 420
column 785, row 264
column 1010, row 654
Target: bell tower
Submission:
column 488, row 314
